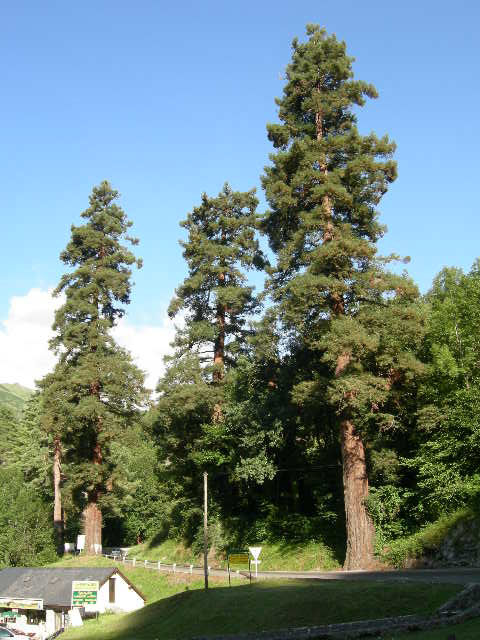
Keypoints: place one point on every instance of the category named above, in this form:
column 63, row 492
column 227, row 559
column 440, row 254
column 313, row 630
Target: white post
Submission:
column 145, row 564
column 134, row 561
column 174, row 566
column 191, row 568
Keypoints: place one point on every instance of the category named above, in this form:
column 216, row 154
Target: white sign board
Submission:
column 80, row 542
column 255, row 551
column 85, row 594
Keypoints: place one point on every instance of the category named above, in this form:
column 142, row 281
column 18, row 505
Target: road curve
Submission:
column 455, row 575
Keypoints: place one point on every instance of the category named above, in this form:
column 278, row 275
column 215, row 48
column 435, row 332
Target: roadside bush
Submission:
column 385, row 505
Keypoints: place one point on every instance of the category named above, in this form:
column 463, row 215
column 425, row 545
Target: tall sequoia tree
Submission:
column 95, row 390
column 331, row 288
column 217, row 302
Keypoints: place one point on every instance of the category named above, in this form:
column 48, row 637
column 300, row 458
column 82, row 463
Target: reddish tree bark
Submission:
column 92, row 514
column 58, row 523
column 360, row 529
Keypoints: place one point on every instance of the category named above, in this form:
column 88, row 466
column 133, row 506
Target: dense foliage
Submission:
column 26, row 534
column 337, row 406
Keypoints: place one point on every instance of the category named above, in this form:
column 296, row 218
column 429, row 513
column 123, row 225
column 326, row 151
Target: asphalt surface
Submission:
column 456, row 575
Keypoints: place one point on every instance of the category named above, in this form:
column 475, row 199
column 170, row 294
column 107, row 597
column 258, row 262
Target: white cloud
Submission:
column 24, row 336
column 147, row 344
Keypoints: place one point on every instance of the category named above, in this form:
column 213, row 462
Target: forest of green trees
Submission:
column 336, row 405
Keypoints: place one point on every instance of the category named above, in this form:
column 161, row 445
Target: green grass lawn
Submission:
column 179, row 608
column 274, row 556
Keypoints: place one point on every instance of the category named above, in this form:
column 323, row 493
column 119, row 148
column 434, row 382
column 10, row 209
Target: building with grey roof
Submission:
column 44, row 595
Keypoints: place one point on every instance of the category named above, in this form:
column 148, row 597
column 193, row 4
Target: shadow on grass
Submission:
column 267, row 606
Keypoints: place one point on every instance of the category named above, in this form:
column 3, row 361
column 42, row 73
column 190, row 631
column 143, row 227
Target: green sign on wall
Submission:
column 84, row 592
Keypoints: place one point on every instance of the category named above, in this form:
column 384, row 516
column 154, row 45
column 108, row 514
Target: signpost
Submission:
column 84, row 593
column 255, row 551
column 238, row 557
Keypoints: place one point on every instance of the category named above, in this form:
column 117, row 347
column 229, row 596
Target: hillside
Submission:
column 14, row 396
column 178, row 607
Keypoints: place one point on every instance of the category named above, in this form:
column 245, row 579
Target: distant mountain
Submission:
column 14, row 396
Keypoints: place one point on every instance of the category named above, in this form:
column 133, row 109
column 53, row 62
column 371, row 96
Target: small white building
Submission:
column 37, row 600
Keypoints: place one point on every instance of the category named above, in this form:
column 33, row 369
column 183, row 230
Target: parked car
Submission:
column 11, row 633
column 116, row 553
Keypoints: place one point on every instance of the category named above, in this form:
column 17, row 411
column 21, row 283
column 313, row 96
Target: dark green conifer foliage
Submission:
column 330, row 286
column 95, row 391
column 221, row 245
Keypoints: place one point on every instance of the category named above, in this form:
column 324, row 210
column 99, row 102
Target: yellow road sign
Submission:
column 240, row 557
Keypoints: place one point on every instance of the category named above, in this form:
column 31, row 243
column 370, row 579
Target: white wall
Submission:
column 126, row 598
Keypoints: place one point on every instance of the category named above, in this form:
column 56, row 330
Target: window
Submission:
column 111, row 589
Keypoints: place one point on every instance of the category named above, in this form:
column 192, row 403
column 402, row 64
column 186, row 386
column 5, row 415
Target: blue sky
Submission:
column 167, row 100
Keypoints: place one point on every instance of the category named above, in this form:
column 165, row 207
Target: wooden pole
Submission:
column 205, row 528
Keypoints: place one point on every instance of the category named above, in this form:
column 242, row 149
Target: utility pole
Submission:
column 205, row 528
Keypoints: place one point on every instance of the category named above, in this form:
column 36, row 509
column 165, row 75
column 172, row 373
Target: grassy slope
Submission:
column 406, row 551
column 14, row 396
column 301, row 557
column 179, row 608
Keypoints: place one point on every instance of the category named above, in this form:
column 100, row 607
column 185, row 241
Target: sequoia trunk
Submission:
column 92, row 514
column 360, row 530
column 58, row 523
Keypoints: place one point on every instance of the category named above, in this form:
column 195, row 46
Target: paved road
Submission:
column 458, row 575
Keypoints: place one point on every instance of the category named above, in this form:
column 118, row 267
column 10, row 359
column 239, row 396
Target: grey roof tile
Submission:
column 54, row 586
